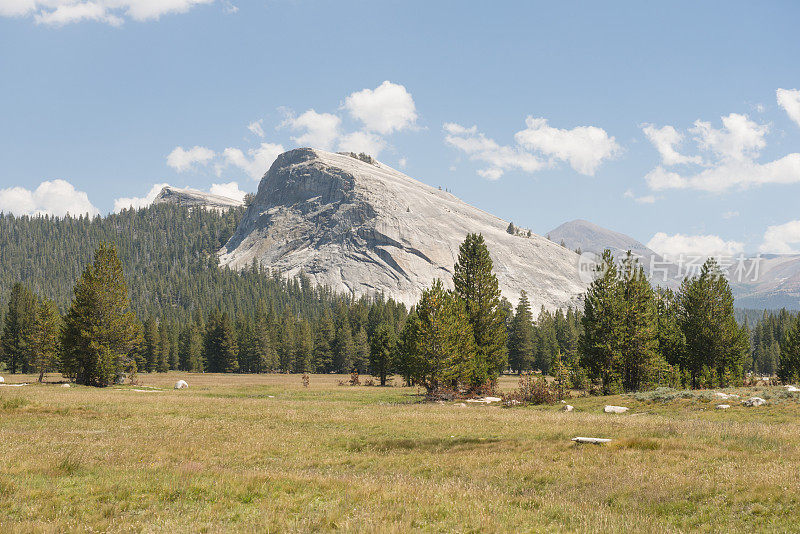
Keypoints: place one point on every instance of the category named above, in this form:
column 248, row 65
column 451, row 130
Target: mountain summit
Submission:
column 193, row 198
column 361, row 227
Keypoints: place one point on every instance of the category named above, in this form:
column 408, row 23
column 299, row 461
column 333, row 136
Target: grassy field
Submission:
column 264, row 454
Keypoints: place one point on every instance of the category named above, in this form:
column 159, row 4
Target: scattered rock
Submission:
column 13, row 385
column 567, row 408
column 615, row 409
column 65, row 385
column 723, row 406
column 2, row 379
column 792, row 389
column 181, row 384
column 754, row 401
column 460, row 405
column 486, row 400
column 725, row 396
column 593, row 441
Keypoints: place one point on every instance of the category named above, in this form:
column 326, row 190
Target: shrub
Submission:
column 533, row 390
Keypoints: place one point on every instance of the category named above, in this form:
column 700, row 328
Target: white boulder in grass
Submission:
column 792, row 389
column 2, row 379
column 615, row 409
column 181, row 384
column 567, row 408
column 754, row 401
column 723, row 406
column 65, row 385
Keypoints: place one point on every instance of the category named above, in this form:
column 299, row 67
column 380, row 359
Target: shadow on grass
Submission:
column 425, row 444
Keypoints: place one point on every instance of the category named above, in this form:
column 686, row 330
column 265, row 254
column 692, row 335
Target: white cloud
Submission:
column 741, row 174
column 387, row 108
column 257, row 127
column 481, row 148
column 789, row 100
column 182, row 160
column 366, row 142
column 584, row 147
column 138, row 202
column 646, row 199
column 780, row 238
column 402, row 162
column 677, row 245
column 55, row 197
column 71, row 13
column 732, row 153
column 538, row 146
column 321, row 129
column 230, row 190
column 113, row 12
column 665, row 140
column 256, row 162
column 739, row 139
column 730, row 214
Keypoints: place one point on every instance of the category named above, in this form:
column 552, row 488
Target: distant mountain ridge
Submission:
column 777, row 277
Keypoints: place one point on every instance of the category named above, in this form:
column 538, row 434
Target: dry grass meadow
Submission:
column 263, row 454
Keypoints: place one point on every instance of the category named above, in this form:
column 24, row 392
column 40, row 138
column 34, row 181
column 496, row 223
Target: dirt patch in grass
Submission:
column 420, row 444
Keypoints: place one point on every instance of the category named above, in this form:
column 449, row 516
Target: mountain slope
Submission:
column 361, row 227
column 192, row 198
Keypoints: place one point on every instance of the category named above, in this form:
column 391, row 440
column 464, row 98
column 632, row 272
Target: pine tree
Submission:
column 304, row 348
column 362, row 349
column 716, row 345
column 46, row 338
column 789, row 366
column 100, row 330
column 639, row 344
column 162, row 359
column 520, row 341
column 438, row 347
column 152, row 345
column 190, row 348
column 477, row 286
column 603, row 326
column 381, row 355
column 16, row 344
column 343, row 357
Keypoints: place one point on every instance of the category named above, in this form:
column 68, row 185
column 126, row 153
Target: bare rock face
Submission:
column 361, row 227
column 193, row 198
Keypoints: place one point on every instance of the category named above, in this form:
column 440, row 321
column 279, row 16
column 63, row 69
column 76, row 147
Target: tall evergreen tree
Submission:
column 603, row 325
column 438, row 348
column 520, row 341
column 16, row 344
column 789, row 367
column 716, row 345
column 477, row 286
column 381, row 355
column 639, row 340
column 100, row 330
column 190, row 348
column 46, row 338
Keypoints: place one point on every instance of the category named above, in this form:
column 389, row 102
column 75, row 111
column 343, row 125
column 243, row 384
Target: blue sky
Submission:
column 100, row 101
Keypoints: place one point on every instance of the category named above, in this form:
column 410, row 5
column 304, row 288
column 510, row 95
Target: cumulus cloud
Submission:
column 113, row 12
column 677, row 245
column 731, row 157
column 666, row 140
column 256, row 127
column 387, row 108
column 782, row 239
column 584, row 147
column 789, row 100
column 366, row 142
column 481, row 148
column 256, row 162
column 321, row 130
column 230, row 190
column 54, row 197
column 138, row 202
column 182, row 160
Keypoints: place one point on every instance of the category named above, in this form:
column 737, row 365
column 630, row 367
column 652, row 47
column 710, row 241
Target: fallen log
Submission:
column 593, row 441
